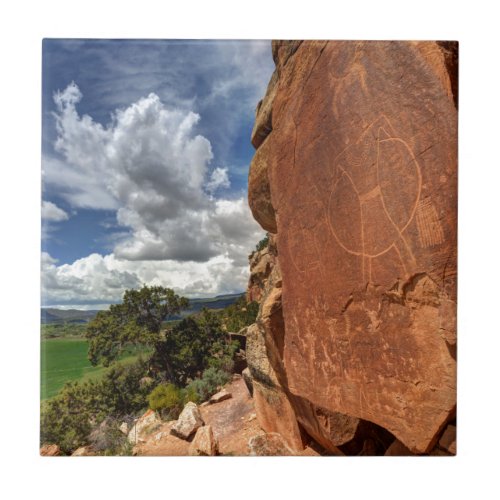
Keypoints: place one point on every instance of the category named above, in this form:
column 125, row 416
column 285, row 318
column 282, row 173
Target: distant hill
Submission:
column 218, row 302
column 53, row 315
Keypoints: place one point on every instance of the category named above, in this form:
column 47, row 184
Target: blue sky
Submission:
column 145, row 154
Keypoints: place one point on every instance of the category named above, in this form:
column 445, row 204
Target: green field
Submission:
column 65, row 360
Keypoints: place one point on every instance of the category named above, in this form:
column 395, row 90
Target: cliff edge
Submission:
column 355, row 179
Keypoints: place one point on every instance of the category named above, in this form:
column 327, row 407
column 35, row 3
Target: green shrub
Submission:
column 189, row 393
column 70, row 417
column 107, row 438
column 209, row 383
column 263, row 243
column 167, row 399
column 240, row 314
column 216, row 378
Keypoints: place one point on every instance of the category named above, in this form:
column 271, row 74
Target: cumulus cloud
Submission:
column 151, row 166
column 98, row 279
column 51, row 212
column 222, row 79
column 219, row 179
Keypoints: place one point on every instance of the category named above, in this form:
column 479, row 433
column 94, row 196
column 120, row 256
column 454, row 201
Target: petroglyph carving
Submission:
column 363, row 134
column 377, row 185
column 429, row 228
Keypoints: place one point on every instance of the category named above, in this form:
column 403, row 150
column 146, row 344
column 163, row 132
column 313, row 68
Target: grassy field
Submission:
column 65, row 360
column 58, row 330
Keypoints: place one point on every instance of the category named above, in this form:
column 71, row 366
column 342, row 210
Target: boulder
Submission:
column 142, row 426
column 275, row 414
column 124, row 428
column 260, row 201
column 330, row 429
column 204, row 442
column 50, row 450
column 269, row 444
column 369, row 448
column 360, row 163
column 438, row 452
column 282, row 51
column 160, row 435
column 220, row 396
column 84, row 451
column 448, row 440
column 247, row 377
column 188, row 423
column 263, row 114
column 398, row 449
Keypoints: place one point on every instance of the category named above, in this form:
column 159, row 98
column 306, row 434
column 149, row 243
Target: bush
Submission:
column 215, row 378
column 70, row 417
column 240, row 314
column 190, row 394
column 66, row 420
column 209, row 384
column 263, row 243
column 108, row 439
column 167, row 399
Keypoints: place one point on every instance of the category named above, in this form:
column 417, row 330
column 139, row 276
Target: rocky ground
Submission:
column 233, row 422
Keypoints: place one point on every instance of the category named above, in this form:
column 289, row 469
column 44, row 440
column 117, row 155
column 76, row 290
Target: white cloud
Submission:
column 98, row 279
column 218, row 179
column 76, row 186
column 151, row 166
column 51, row 212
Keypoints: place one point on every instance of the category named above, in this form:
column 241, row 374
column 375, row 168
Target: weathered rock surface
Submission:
column 204, row 443
column 50, row 450
column 247, row 377
column 261, row 265
column 84, row 451
column 398, row 449
column 188, row 423
column 270, row 444
column 282, row 51
column 145, row 423
column 274, row 411
column 448, row 440
column 357, row 177
column 220, row 396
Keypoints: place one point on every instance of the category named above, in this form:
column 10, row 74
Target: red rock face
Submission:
column 361, row 168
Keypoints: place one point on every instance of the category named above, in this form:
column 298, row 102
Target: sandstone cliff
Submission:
column 355, row 177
